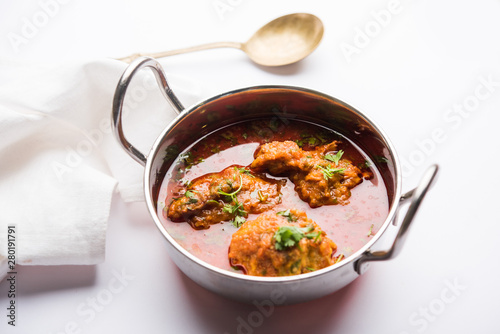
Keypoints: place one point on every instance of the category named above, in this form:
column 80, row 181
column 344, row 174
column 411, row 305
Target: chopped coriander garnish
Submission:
column 289, row 236
column 314, row 235
column 186, row 183
column 300, row 143
column 243, row 170
column 370, row 232
column 234, row 207
column 187, row 158
column 244, row 135
column 288, row 215
column 308, row 139
column 238, row 221
column 339, row 258
column 233, row 194
column 261, row 196
column 335, row 158
column 190, row 194
column 328, row 171
column 312, row 141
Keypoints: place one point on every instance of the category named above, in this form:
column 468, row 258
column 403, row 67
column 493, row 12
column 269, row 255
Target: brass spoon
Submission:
column 283, row 41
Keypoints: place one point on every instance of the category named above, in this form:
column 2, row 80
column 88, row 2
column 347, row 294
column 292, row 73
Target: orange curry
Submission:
column 273, row 198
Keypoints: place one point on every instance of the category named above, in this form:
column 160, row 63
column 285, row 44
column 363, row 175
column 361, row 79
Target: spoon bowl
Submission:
column 283, row 41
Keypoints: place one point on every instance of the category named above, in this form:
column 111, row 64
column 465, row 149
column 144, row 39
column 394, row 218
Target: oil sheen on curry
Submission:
column 272, row 198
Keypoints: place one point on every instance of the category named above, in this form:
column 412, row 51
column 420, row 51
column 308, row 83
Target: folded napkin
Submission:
column 60, row 162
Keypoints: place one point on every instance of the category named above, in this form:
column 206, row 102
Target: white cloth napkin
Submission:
column 59, row 161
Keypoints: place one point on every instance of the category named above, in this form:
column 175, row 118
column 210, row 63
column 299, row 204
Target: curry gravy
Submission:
column 350, row 225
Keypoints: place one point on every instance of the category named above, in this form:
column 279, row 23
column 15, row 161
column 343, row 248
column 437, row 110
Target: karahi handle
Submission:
column 416, row 197
column 119, row 97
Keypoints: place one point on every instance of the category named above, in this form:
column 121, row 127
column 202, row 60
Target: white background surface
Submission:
column 432, row 57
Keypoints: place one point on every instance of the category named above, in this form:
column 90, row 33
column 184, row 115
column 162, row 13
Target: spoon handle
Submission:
column 207, row 46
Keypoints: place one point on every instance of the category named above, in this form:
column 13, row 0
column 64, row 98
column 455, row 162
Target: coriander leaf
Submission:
column 288, row 215
column 190, row 193
column 243, row 170
column 289, row 236
column 335, row 158
column 187, row 158
column 238, row 221
column 300, row 143
column 370, row 232
column 232, row 208
column 235, row 207
column 328, row 171
column 339, row 258
column 312, row 141
column 228, row 208
column 314, row 235
column 233, row 194
column 261, row 196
